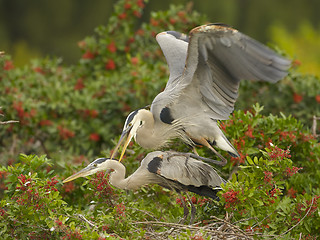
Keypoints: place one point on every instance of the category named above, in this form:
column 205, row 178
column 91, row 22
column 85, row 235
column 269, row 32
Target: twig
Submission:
column 229, row 224
column 299, row 221
column 81, row 217
column 190, row 227
column 8, row 122
column 314, row 126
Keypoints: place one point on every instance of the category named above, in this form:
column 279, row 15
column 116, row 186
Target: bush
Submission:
column 71, row 113
column 274, row 193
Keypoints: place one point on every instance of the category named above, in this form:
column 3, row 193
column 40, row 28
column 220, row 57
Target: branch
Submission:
column 314, row 126
column 8, row 122
column 86, row 220
column 300, row 219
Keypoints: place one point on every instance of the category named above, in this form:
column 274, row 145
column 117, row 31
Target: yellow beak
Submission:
column 125, row 133
column 81, row 173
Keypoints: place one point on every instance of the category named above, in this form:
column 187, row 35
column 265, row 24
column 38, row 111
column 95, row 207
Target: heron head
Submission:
column 131, row 125
column 97, row 165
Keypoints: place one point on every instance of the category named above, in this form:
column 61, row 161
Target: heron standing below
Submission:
column 168, row 169
column 205, row 73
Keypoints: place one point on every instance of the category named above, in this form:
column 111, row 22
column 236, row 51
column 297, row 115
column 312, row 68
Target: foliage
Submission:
column 275, row 191
column 72, row 113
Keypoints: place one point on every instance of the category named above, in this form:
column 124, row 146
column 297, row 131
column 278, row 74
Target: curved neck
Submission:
column 117, row 179
column 117, row 176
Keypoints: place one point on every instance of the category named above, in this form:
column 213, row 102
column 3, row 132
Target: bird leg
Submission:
column 204, row 142
column 195, row 151
column 185, row 210
column 193, row 210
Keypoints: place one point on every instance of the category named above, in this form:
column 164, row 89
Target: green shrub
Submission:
column 72, row 113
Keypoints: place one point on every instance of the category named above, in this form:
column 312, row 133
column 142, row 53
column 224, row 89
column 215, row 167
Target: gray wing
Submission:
column 174, row 46
column 187, row 171
column 218, row 58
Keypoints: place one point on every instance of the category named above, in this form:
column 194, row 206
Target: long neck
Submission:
column 117, row 177
column 155, row 134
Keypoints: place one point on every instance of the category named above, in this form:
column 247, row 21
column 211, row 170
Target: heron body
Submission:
column 168, row 169
column 205, row 72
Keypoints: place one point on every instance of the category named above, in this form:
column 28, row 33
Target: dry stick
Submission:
column 8, row 122
column 299, row 221
column 229, row 224
column 314, row 126
column 185, row 227
column 86, row 220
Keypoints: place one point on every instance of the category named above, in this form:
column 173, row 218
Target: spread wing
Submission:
column 174, row 46
column 187, row 171
column 218, row 57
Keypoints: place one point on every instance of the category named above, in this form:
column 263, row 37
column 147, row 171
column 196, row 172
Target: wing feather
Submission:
column 217, row 58
column 187, row 171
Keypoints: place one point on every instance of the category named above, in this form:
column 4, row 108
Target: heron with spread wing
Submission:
column 171, row 170
column 205, row 72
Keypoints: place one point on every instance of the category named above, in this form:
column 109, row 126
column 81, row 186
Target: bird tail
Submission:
column 205, row 191
column 223, row 143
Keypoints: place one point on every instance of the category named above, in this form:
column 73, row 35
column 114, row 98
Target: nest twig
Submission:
column 216, row 229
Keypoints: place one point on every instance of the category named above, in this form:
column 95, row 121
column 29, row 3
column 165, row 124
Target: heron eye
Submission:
column 141, row 123
column 130, row 124
column 95, row 165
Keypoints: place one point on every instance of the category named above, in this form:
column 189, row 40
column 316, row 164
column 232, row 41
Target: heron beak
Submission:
column 82, row 173
column 126, row 133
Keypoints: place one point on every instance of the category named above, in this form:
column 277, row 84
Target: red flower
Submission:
column 231, row 198
column 39, row 70
column 68, row 187
column 127, row 6
column 267, row 176
column 94, row 137
column 122, row 15
column 172, row 20
column 8, row 65
column 65, row 133
column 45, row 122
column 249, row 132
column 134, row 60
column 79, row 85
column 278, row 153
column 154, row 22
column 110, row 65
column 297, row 98
column 318, row 98
column 137, row 13
column 296, row 63
column 291, row 171
column 112, row 47
column 181, row 14
column 18, row 107
column 93, row 113
column 292, row 192
column 140, row 32
column 88, row 55
column 140, row 3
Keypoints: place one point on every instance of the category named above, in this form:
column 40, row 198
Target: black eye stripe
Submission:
column 98, row 161
column 130, row 117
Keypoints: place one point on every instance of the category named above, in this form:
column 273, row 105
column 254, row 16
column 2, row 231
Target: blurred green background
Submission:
column 39, row 28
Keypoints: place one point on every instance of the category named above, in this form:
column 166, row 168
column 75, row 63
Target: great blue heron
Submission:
column 205, row 72
column 171, row 170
